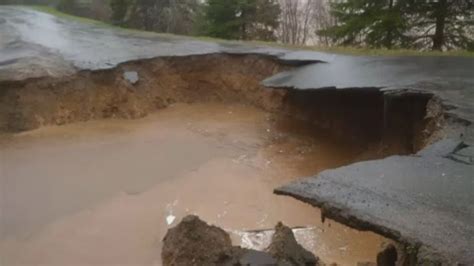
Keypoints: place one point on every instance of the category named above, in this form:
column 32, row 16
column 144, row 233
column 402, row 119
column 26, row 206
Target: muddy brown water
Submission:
column 103, row 192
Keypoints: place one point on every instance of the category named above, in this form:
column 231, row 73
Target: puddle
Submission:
column 105, row 192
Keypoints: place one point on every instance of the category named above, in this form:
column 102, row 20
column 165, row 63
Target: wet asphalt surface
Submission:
column 425, row 198
column 30, row 35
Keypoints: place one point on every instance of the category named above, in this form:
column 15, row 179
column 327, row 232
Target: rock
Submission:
column 194, row 242
column 287, row 251
column 388, row 256
column 131, row 76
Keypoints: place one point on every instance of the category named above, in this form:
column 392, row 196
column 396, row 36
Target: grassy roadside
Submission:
column 57, row 13
column 337, row 49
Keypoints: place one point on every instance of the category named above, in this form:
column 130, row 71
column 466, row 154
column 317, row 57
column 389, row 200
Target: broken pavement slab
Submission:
column 424, row 200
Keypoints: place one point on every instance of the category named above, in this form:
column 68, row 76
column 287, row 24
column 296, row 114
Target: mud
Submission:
column 100, row 192
column 287, row 251
column 193, row 242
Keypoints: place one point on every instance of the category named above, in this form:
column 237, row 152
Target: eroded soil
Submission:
column 103, row 192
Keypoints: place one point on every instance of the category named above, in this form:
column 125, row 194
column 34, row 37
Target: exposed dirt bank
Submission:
column 162, row 81
column 396, row 122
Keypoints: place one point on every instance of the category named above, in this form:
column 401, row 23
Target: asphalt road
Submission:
column 53, row 42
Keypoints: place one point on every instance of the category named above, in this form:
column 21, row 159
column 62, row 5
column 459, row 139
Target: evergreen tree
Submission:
column 119, row 10
column 441, row 24
column 173, row 16
column 264, row 20
column 375, row 23
column 403, row 23
column 67, row 6
column 242, row 19
column 181, row 16
column 222, row 19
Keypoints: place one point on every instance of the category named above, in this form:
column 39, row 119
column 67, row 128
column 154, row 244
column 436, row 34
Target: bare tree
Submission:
column 323, row 20
column 290, row 31
column 300, row 20
column 171, row 16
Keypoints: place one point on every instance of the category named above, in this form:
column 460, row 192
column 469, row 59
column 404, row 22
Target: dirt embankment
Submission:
column 402, row 122
column 162, row 81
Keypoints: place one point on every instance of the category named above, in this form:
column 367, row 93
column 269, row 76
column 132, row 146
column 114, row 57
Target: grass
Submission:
column 57, row 13
column 349, row 50
column 333, row 49
column 393, row 52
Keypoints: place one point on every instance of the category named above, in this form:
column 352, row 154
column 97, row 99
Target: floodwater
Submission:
column 105, row 192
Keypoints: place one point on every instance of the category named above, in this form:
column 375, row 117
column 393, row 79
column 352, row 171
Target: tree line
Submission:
column 427, row 24
column 414, row 24
column 435, row 24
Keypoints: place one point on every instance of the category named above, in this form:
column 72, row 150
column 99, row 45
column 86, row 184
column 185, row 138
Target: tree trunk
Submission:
column 440, row 15
column 389, row 37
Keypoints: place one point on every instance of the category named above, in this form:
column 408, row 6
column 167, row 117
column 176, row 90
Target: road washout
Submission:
column 215, row 126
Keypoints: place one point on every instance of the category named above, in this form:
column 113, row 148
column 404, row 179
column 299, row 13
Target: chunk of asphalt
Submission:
column 131, row 76
column 465, row 155
column 442, row 148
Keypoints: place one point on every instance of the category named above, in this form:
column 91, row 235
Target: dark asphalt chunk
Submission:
column 421, row 199
column 442, row 148
column 131, row 76
column 465, row 155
